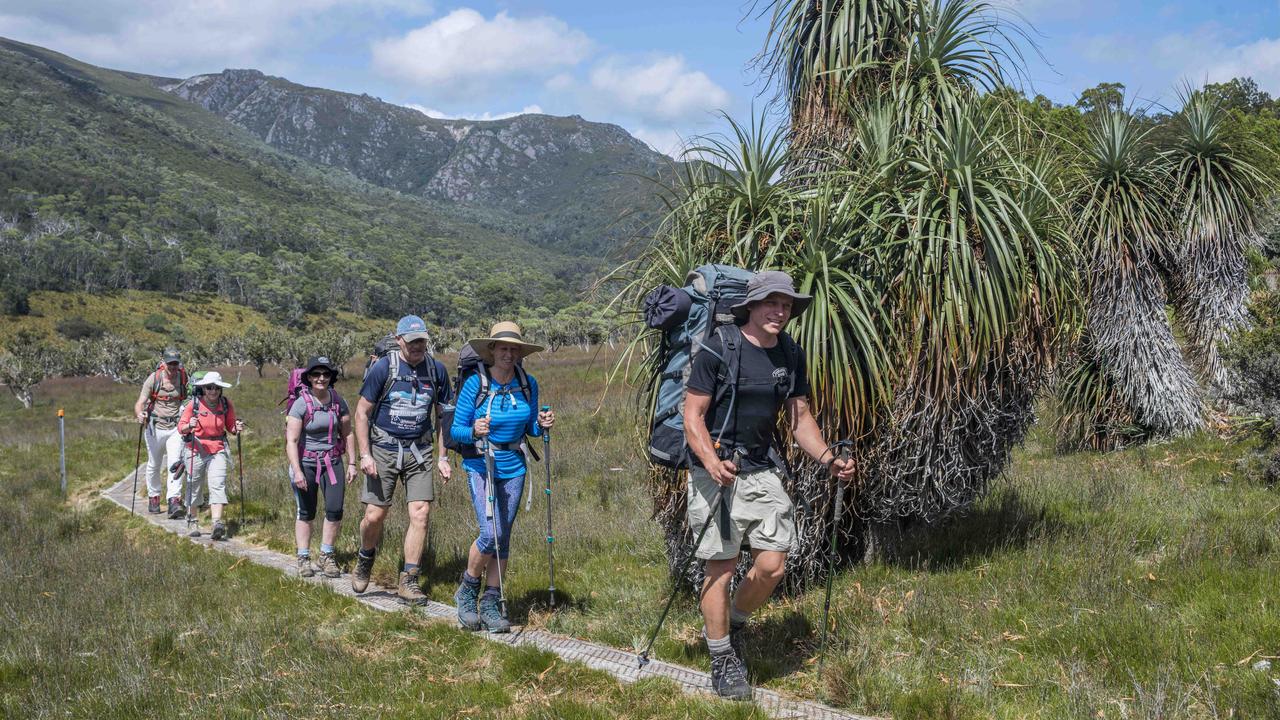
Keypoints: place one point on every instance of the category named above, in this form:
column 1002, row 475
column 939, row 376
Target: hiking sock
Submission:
column 304, row 552
column 737, row 617
column 470, row 581
column 368, row 553
column 411, row 568
column 326, row 548
column 719, row 646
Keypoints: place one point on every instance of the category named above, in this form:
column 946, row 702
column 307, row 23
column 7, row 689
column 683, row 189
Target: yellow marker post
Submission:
column 62, row 448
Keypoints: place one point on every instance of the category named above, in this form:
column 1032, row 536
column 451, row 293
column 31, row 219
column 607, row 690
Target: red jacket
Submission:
column 211, row 432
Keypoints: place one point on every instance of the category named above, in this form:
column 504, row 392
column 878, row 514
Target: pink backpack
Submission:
column 297, row 388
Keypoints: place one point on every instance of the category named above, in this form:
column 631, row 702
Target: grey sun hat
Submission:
column 171, row 355
column 766, row 283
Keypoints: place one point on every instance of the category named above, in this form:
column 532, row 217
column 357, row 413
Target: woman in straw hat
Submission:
column 208, row 418
column 501, row 415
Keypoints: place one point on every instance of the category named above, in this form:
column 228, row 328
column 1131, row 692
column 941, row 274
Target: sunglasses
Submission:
column 321, row 374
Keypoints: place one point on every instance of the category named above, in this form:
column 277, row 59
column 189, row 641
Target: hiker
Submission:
column 209, row 417
column 317, row 430
column 500, row 415
column 401, row 396
column 158, row 407
column 771, row 378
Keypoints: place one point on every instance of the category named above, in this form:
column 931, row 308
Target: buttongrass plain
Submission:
column 1141, row 583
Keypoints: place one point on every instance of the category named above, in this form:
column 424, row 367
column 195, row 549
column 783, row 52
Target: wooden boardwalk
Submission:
column 618, row 663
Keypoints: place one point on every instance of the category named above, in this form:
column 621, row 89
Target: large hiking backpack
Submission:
column 687, row 316
column 469, row 363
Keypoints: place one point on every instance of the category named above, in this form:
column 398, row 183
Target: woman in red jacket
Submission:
column 208, row 419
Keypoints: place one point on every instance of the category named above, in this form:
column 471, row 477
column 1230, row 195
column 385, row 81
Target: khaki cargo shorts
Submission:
column 760, row 512
column 417, row 477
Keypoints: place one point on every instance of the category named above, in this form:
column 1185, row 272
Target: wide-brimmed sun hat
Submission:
column 766, row 283
column 505, row 331
column 213, row 377
column 320, row 362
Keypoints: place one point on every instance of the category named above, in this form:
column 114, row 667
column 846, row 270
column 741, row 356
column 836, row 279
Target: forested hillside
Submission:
column 107, row 182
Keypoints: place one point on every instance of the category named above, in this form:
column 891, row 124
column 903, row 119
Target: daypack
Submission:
column 469, row 363
column 337, row 442
column 381, row 349
column 688, row 316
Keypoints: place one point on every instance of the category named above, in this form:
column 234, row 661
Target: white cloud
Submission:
column 664, row 90
column 1259, row 60
column 187, row 36
column 439, row 115
column 463, row 54
column 667, row 141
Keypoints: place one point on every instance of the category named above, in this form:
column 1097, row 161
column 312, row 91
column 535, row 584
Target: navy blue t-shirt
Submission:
column 407, row 409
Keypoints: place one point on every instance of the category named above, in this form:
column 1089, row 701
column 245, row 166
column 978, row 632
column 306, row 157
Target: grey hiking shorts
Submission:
column 417, row 477
column 760, row 513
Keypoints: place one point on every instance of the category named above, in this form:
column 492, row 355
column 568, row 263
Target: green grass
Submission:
column 106, row 616
column 1125, row 585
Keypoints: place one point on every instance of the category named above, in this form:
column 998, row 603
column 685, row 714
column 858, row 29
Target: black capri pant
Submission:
column 334, row 494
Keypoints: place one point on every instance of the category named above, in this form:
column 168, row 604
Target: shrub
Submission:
column 76, row 327
column 156, row 323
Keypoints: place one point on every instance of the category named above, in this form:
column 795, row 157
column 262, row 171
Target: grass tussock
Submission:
column 1134, row 584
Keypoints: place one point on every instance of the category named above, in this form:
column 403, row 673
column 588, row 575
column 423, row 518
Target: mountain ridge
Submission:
column 562, row 181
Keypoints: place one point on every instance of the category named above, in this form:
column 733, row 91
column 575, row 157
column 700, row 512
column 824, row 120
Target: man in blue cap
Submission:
column 395, row 418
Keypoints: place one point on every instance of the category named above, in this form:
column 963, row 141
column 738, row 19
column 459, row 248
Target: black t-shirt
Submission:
column 762, row 391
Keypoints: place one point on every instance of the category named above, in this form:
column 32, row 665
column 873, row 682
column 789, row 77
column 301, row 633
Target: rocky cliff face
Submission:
column 564, row 178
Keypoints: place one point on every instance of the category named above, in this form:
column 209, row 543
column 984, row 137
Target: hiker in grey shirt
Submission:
column 317, row 436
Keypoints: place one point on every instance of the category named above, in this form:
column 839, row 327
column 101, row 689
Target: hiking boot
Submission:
column 736, row 639
column 153, row 504
column 360, row 578
column 219, row 530
column 465, row 598
column 729, row 677
column 304, row 566
column 176, row 509
column 491, row 614
column 408, row 589
column 329, row 566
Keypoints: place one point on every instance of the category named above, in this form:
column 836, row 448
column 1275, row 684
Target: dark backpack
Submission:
column 469, row 363
column 687, row 317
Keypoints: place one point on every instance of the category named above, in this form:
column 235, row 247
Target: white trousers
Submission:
column 164, row 447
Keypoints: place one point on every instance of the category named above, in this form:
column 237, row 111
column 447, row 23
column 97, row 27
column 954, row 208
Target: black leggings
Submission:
column 333, row 494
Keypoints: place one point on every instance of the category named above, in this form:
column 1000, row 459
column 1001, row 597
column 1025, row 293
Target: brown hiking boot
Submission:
column 360, row 577
column 329, row 566
column 408, row 589
column 304, row 566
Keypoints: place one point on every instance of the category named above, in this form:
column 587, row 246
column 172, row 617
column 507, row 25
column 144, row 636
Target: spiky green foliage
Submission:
column 929, row 237
column 1217, row 224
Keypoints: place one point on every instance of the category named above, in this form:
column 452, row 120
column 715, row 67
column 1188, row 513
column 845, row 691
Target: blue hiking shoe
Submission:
column 491, row 614
column 465, row 597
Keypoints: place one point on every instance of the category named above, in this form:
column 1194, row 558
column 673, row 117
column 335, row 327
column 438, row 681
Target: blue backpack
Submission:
column 687, row 317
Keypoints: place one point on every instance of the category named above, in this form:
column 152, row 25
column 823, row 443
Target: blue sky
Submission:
column 661, row 69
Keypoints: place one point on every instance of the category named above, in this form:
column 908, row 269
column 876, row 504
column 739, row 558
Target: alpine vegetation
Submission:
column 915, row 209
column 1161, row 225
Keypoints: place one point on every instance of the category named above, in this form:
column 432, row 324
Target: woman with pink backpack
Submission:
column 317, row 434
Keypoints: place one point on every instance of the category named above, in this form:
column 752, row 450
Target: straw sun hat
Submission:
column 503, row 332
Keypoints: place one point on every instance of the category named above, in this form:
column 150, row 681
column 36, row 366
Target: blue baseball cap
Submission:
column 411, row 327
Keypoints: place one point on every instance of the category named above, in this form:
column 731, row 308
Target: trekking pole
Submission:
column 191, row 490
column 492, row 487
column 841, row 450
column 551, row 538
column 643, row 657
column 240, row 469
column 137, row 461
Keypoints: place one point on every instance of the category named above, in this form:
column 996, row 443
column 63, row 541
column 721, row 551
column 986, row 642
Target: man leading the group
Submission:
column 758, row 512
column 158, row 406
column 397, row 426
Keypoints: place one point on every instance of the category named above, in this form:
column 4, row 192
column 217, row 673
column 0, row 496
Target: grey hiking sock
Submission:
column 737, row 617
column 718, row 646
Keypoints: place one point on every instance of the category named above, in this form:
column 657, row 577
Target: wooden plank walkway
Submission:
column 618, row 663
